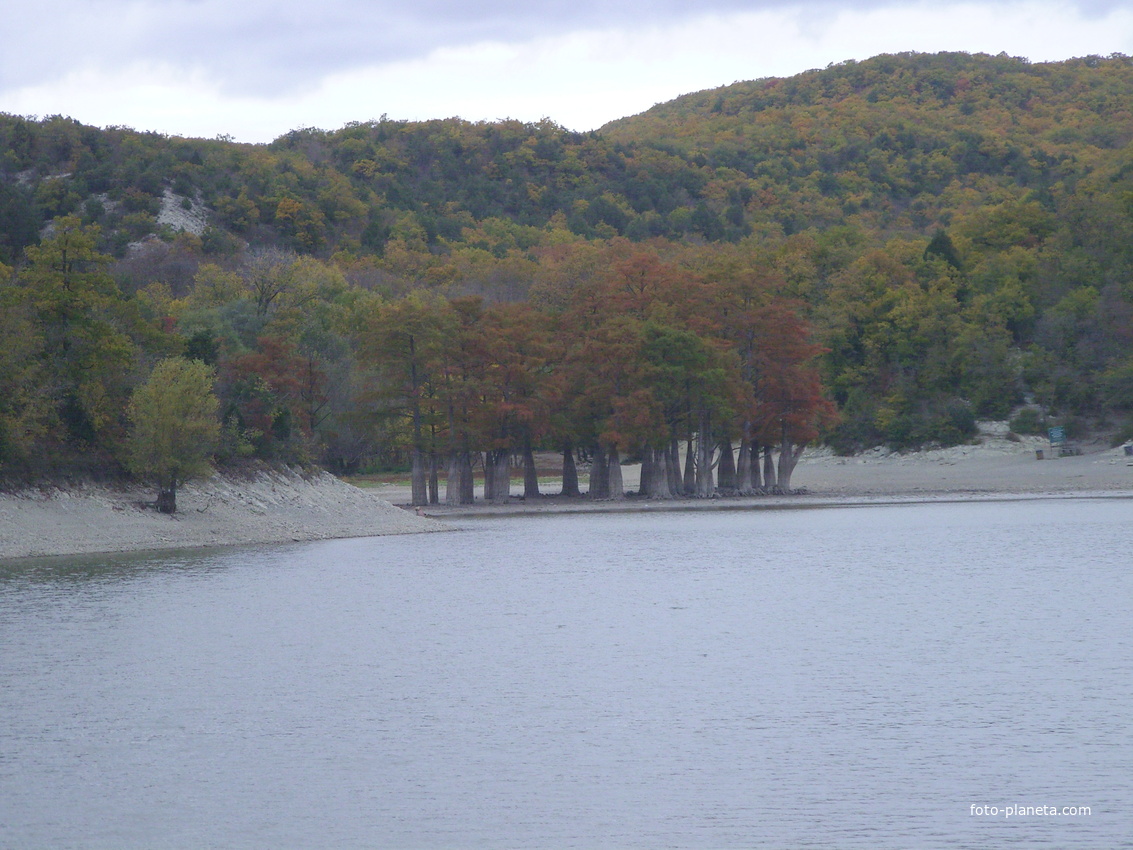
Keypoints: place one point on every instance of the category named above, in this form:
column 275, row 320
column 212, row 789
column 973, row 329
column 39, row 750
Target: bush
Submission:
column 856, row 430
column 1125, row 435
column 1117, row 386
column 1027, row 421
column 1076, row 427
column 946, row 424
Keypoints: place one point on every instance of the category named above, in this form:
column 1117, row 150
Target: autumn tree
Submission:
column 460, row 373
column 518, row 390
column 270, row 276
column 683, row 380
column 267, row 398
column 602, row 373
column 402, row 341
column 790, row 407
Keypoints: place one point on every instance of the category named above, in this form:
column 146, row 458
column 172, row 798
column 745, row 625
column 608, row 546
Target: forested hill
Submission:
column 894, row 144
column 956, row 230
column 900, row 143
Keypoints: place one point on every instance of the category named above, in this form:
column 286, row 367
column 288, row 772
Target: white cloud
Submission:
column 580, row 79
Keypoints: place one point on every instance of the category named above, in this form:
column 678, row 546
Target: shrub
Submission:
column 1125, row 435
column 947, row 423
column 1027, row 421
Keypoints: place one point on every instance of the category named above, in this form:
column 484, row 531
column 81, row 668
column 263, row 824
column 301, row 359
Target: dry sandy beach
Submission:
column 995, row 466
column 268, row 507
column 284, row 506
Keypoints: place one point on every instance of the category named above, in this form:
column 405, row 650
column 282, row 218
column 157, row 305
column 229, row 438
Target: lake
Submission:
column 861, row 677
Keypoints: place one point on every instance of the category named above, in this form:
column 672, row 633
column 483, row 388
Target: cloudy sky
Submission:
column 254, row 69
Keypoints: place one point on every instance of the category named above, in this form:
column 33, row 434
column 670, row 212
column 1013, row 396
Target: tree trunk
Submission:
column 167, row 498
column 789, row 455
column 645, row 487
column 570, row 472
column 530, row 473
column 599, row 472
column 705, row 486
column 458, row 489
column 726, row 478
column 769, row 481
column 489, row 478
column 503, row 476
column 756, row 478
column 452, row 480
column 614, row 488
column 498, row 468
column 419, row 488
column 673, row 468
column 434, row 486
column 743, row 469
column 688, row 485
column 659, row 488
column 467, row 481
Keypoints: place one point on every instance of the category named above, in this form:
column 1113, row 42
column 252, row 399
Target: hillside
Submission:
column 956, row 230
column 896, row 143
column 900, row 143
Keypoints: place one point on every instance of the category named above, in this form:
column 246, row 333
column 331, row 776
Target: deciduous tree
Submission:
column 174, row 427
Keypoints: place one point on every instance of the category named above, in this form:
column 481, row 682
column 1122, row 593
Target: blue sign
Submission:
column 1057, row 435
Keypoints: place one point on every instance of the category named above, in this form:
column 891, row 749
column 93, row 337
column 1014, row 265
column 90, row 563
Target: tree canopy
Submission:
column 174, row 427
column 916, row 240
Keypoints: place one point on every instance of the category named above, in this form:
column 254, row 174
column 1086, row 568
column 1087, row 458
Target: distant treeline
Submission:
column 950, row 235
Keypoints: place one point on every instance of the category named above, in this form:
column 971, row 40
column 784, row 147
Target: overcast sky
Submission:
column 254, row 69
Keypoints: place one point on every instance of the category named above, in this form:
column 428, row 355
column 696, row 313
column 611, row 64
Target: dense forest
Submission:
column 879, row 252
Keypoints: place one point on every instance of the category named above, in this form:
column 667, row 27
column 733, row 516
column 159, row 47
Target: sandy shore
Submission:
column 285, row 506
column 996, row 467
column 269, row 507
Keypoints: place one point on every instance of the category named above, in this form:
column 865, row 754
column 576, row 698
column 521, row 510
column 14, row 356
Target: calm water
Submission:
column 854, row 677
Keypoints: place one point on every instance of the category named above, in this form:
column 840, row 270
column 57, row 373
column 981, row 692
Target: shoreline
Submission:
column 278, row 506
column 284, row 506
column 998, row 468
column 557, row 505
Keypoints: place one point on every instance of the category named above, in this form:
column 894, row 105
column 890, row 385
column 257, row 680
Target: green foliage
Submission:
column 1027, row 421
column 26, row 412
column 1123, row 435
column 896, row 142
column 87, row 329
column 19, row 221
column 174, row 425
column 1117, row 385
column 941, row 246
column 958, row 230
column 943, row 422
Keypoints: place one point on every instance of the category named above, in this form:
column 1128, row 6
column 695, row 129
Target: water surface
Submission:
column 836, row 677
